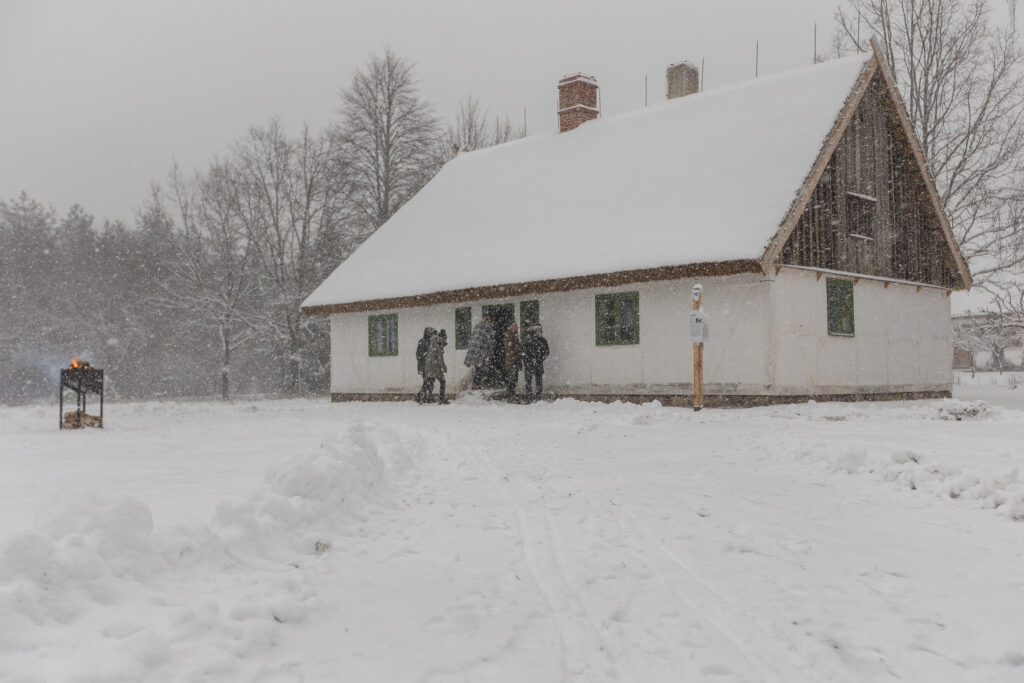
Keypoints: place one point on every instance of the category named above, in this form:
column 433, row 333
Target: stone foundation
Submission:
column 685, row 401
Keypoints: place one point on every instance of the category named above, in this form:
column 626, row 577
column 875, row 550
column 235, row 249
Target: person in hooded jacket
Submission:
column 480, row 344
column 435, row 367
column 535, row 351
column 513, row 360
column 426, row 392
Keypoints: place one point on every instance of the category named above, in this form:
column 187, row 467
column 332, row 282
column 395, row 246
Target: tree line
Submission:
column 201, row 295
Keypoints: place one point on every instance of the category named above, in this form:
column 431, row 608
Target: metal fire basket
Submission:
column 82, row 379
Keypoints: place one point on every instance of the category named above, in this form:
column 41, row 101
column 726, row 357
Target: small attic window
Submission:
column 860, row 212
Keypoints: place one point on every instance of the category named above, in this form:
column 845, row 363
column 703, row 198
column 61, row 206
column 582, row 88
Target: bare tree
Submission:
column 386, row 138
column 992, row 332
column 505, row 131
column 1007, row 307
column 961, row 80
column 293, row 208
column 212, row 274
column 471, row 130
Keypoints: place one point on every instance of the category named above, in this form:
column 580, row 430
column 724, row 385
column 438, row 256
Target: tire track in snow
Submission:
column 585, row 651
column 727, row 637
column 701, row 599
column 620, row 623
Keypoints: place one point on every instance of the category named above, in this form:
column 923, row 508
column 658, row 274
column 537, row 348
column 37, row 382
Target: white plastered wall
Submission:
column 902, row 338
column 736, row 357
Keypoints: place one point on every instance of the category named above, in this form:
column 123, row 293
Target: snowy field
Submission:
column 305, row 541
column 982, row 386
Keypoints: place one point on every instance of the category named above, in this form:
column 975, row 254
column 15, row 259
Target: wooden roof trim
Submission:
column 818, row 272
column 915, row 145
column 842, row 122
column 565, row 284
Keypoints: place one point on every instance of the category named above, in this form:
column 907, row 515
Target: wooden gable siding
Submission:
column 873, row 159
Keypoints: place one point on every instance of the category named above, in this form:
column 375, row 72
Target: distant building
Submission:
column 981, row 342
column 800, row 201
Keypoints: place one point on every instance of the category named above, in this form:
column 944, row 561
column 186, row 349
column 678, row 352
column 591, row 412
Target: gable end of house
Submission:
column 869, row 205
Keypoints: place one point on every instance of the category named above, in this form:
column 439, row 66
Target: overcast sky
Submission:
column 99, row 97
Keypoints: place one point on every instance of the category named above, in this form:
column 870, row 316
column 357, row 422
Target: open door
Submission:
column 501, row 315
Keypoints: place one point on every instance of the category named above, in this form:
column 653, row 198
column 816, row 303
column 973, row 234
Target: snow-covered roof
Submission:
column 704, row 178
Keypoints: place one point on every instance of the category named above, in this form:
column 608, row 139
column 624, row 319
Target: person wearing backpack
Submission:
column 513, row 361
column 535, row 351
column 435, row 367
column 426, row 392
column 481, row 344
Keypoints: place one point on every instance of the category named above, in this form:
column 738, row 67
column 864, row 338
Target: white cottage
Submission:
column 800, row 201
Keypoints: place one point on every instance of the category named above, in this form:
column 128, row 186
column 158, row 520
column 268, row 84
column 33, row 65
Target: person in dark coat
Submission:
column 435, row 367
column 480, row 344
column 426, row 392
column 535, row 351
column 513, row 360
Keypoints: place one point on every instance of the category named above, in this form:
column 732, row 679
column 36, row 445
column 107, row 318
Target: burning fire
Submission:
column 78, row 364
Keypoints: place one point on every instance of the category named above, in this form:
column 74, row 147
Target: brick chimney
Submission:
column 577, row 101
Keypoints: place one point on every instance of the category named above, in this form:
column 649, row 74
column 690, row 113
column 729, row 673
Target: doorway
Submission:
column 493, row 374
column 501, row 316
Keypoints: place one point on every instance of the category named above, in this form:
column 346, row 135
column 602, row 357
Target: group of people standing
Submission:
column 488, row 365
column 528, row 354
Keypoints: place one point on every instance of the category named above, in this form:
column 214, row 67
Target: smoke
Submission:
column 32, row 373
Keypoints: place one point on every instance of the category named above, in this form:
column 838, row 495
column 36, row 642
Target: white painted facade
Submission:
column 902, row 342
column 768, row 337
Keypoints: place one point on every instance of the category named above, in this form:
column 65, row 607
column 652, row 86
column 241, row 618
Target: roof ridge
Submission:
column 727, row 88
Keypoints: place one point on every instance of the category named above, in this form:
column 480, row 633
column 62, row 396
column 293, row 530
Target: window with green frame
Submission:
column 617, row 318
column 463, row 326
column 529, row 314
column 383, row 334
column 839, row 296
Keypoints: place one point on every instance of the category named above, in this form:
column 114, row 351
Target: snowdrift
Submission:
column 95, row 564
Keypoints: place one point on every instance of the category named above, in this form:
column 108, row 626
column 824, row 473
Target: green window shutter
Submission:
column 617, row 318
column 529, row 313
column 629, row 318
column 839, row 300
column 604, row 319
column 383, row 334
column 463, row 326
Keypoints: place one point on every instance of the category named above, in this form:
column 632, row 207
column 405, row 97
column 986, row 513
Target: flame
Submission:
column 78, row 364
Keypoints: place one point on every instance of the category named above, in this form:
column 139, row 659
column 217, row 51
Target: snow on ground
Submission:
column 305, row 541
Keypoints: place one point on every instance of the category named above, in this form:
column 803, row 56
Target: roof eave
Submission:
column 614, row 279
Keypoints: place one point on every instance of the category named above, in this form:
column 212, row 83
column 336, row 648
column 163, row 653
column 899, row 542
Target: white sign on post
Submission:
column 698, row 327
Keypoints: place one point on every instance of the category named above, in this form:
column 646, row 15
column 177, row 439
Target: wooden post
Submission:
column 698, row 359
